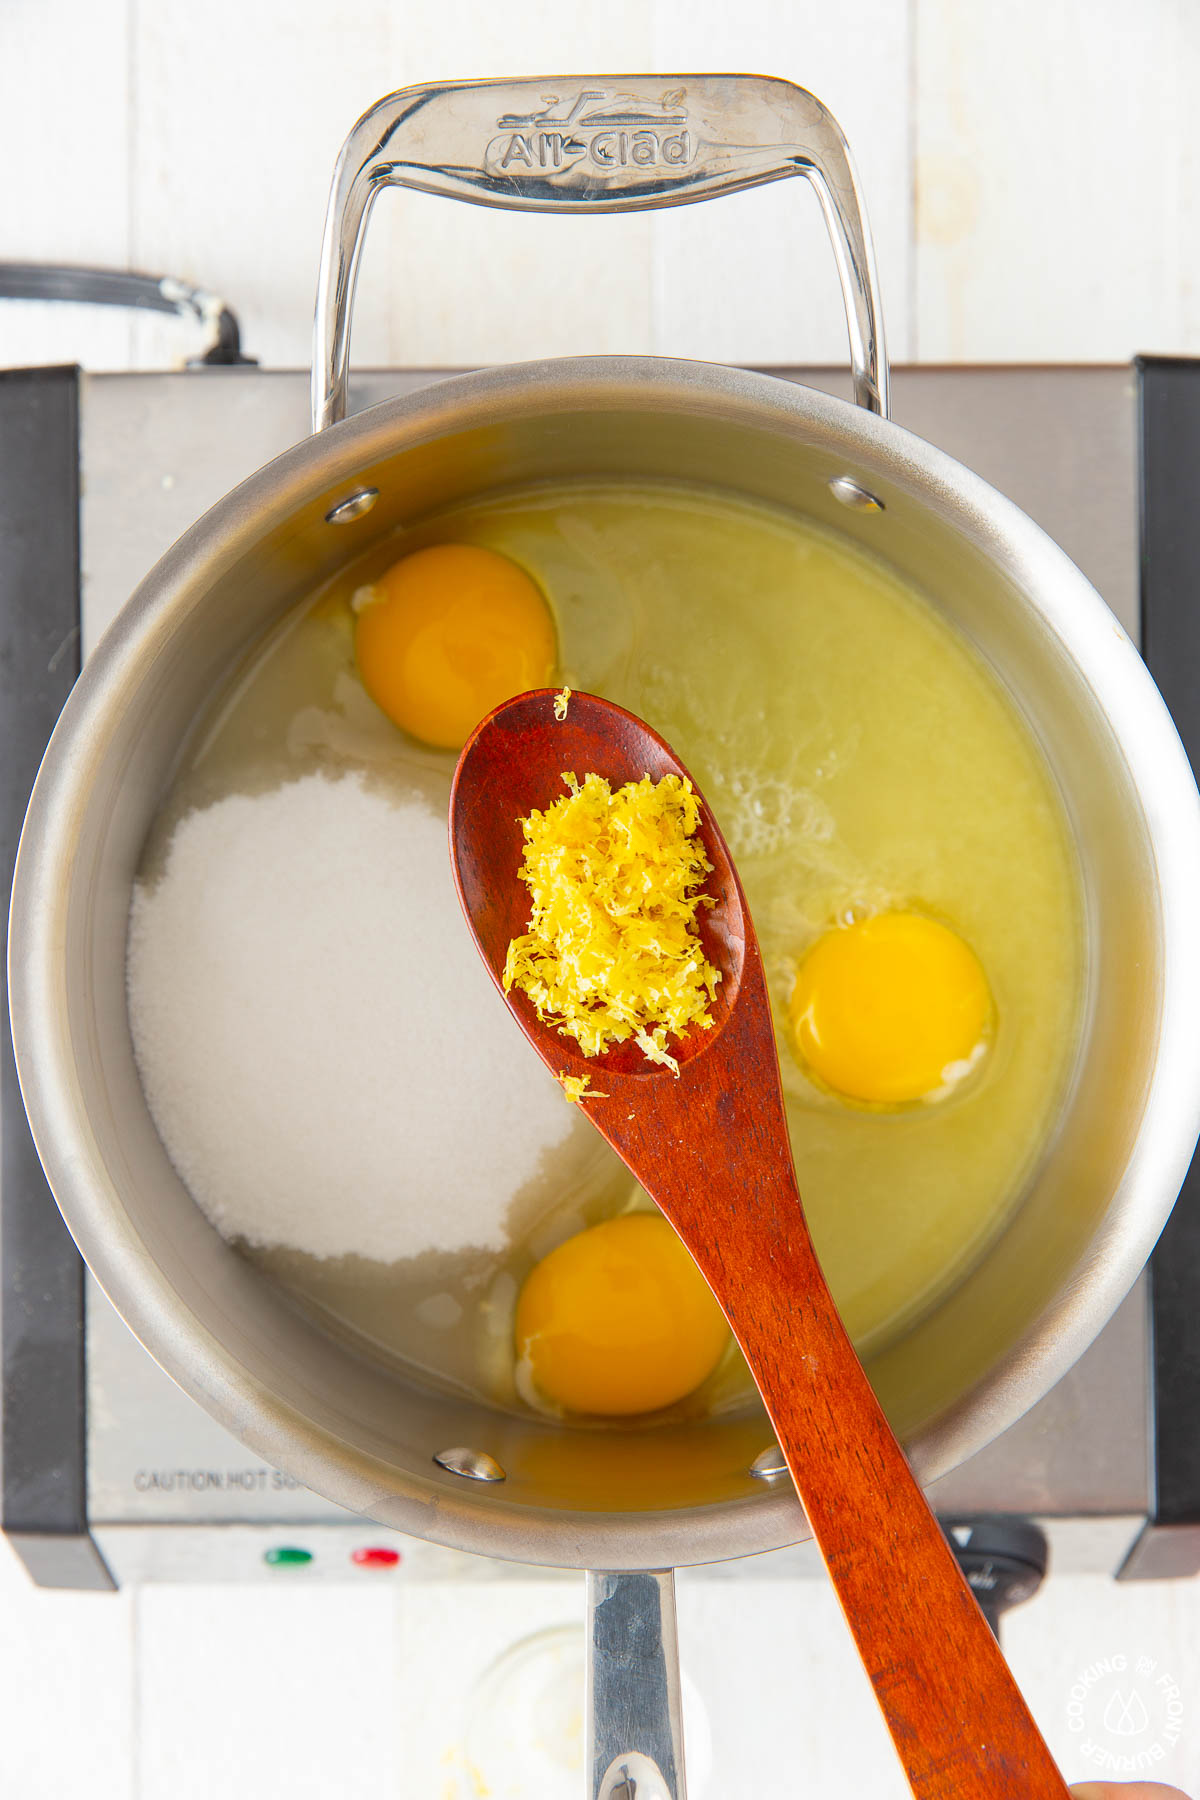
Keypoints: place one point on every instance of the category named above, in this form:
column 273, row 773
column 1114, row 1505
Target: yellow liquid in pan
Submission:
column 858, row 755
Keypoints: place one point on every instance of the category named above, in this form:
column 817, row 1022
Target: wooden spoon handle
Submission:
column 712, row 1146
column 957, row 1717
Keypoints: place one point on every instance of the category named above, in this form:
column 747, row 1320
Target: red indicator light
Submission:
column 374, row 1556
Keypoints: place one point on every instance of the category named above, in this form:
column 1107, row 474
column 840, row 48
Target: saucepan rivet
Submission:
column 352, row 507
column 472, row 1465
column 768, row 1465
column 854, row 495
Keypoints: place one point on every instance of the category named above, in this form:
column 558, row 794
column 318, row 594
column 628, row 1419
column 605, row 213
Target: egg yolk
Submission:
column 883, row 1010
column 449, row 633
column 619, row 1320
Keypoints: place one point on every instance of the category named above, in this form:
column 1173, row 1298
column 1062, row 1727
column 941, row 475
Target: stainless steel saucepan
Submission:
column 456, row 1471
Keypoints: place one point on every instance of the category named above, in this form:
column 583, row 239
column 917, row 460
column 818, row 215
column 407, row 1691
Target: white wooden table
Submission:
column 1032, row 171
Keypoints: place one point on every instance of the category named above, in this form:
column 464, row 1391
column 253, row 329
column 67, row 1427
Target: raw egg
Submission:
column 618, row 1320
column 892, row 1008
column 448, row 633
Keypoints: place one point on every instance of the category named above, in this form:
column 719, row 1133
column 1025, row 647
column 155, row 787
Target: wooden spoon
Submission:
column 711, row 1146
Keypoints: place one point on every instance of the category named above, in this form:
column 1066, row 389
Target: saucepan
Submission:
column 631, row 1504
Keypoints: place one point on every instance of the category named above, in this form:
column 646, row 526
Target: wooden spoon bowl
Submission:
column 711, row 1146
column 514, row 763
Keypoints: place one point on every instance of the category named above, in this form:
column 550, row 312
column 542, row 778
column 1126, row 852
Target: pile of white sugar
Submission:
column 323, row 1052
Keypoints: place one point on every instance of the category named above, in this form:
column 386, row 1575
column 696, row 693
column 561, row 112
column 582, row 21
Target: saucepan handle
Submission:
column 594, row 144
column 633, row 1729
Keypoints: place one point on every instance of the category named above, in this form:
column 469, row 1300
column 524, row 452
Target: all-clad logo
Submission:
column 600, row 128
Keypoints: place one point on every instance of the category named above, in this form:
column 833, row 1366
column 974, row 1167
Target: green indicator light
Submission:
column 287, row 1555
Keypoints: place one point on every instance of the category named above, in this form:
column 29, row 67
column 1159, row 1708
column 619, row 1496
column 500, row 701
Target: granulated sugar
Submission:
column 324, row 1055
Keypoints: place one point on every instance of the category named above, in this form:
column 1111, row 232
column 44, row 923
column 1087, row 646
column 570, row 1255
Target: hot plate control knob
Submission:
column 1003, row 1557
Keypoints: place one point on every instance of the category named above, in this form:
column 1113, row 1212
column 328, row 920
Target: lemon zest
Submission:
column 561, row 702
column 578, row 1087
column 613, row 952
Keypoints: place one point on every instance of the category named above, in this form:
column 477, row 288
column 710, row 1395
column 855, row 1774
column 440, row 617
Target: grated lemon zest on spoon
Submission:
column 613, row 951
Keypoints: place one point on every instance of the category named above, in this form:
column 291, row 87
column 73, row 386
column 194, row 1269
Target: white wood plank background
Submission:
column 339, row 1694
column 1056, row 178
column 1032, row 172
column 1033, row 176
